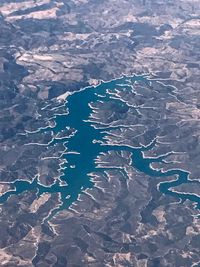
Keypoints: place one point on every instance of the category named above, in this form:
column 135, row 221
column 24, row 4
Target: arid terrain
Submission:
column 52, row 48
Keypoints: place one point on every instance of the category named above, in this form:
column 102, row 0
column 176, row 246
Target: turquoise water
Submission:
column 75, row 176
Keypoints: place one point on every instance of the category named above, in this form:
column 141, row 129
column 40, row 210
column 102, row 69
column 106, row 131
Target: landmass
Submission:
column 52, row 49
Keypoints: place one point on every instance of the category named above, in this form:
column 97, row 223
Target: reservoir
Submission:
column 88, row 142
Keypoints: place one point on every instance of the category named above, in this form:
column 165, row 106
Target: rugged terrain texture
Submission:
column 48, row 48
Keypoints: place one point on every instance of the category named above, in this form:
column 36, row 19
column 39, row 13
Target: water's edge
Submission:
column 75, row 178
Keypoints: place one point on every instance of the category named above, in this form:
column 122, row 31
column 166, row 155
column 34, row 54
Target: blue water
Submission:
column 75, row 180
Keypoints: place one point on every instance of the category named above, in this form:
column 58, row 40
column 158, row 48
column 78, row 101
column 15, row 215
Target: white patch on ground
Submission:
column 37, row 203
column 64, row 96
